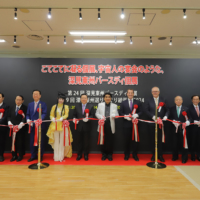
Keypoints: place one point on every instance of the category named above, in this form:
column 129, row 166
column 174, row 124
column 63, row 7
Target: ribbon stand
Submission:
column 39, row 165
column 155, row 164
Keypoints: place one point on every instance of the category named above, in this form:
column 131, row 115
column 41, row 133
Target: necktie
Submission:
column 35, row 106
column 178, row 111
column 131, row 104
column 17, row 111
column 83, row 109
column 197, row 109
column 156, row 101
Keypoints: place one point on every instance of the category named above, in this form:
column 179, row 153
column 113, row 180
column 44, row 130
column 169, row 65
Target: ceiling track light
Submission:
column 82, row 39
column 49, row 14
column 115, row 39
column 143, row 10
column 65, row 40
column 48, row 40
column 131, row 42
column 99, row 17
column 151, row 40
column 15, row 15
column 170, row 43
column 15, row 40
column 122, row 14
column 80, row 14
column 184, row 14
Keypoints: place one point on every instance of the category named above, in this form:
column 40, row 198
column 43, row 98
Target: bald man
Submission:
column 149, row 108
column 176, row 129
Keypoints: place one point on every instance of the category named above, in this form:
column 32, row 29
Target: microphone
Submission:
column 87, row 112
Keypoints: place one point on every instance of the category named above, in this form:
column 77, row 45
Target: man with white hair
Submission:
column 176, row 129
column 150, row 105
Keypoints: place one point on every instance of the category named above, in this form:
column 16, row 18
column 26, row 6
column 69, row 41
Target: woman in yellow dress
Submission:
column 59, row 112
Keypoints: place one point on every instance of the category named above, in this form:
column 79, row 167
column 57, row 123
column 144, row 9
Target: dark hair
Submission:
column 37, row 91
column 63, row 108
column 84, row 95
column 130, row 89
column 20, row 96
column 2, row 94
column 195, row 96
column 107, row 93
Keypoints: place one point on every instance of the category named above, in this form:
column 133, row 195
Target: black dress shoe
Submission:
column 19, row 158
column 153, row 158
column 1, row 158
column 126, row 157
column 174, row 158
column 135, row 157
column 110, row 157
column 184, row 161
column 79, row 157
column 193, row 158
column 31, row 159
column 161, row 158
column 103, row 157
column 13, row 158
column 86, row 157
column 198, row 158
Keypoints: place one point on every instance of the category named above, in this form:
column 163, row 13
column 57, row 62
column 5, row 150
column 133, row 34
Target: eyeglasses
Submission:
column 155, row 91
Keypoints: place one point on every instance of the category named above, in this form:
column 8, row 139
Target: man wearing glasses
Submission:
column 163, row 114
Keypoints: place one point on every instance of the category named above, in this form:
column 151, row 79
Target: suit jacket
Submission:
column 3, row 120
column 149, row 108
column 125, row 110
column 17, row 119
column 35, row 115
column 193, row 113
column 173, row 114
column 101, row 112
column 85, row 126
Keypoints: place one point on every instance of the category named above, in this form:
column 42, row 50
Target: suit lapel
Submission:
column 127, row 103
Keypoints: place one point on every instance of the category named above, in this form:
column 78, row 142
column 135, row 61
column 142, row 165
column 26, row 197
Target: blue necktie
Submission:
column 83, row 109
column 178, row 111
column 17, row 111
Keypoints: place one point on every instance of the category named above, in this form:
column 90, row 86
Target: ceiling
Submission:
column 65, row 18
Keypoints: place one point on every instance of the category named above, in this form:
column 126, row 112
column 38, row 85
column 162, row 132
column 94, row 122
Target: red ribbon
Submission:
column 185, row 145
column 56, row 125
column 21, row 113
column 37, row 123
column 161, row 126
column 66, row 125
column 135, row 130
column 15, row 130
column 101, row 127
column 75, row 122
column 11, row 127
column 2, row 112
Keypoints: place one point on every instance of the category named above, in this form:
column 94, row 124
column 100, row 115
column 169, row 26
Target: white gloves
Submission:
column 164, row 118
column 74, row 121
column 127, row 117
column 53, row 119
column 154, row 118
column 187, row 123
column 102, row 117
column 21, row 125
column 61, row 119
column 29, row 122
column 9, row 123
column 113, row 115
column 197, row 122
column 135, row 116
column 85, row 119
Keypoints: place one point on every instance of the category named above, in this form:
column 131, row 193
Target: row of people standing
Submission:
column 60, row 112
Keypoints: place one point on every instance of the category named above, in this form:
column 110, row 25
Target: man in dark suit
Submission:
column 32, row 115
column 3, row 121
column 194, row 145
column 149, row 108
column 14, row 118
column 83, row 126
column 126, row 108
column 177, row 131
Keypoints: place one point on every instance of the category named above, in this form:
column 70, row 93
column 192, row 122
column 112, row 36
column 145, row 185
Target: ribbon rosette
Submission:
column 37, row 124
column 101, row 123
column 1, row 112
column 66, row 129
column 21, row 113
column 161, row 104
